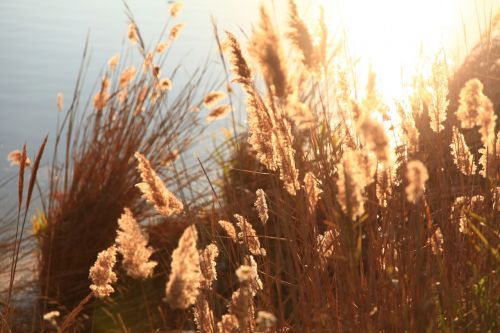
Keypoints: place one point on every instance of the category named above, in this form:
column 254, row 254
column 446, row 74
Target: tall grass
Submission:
column 314, row 221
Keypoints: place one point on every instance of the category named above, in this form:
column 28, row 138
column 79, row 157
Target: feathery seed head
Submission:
column 471, row 103
column 165, row 84
column 240, row 67
column 176, row 8
column 213, row 97
column 133, row 35
column 126, row 76
column 311, row 187
column 244, row 273
column 265, row 321
column 176, row 31
column 254, row 282
column 228, row 324
column 439, row 94
column 132, row 243
column 265, row 47
column 185, row 274
column 261, row 206
column 301, row 38
column 101, row 273
column 355, row 172
column 325, row 244
column 161, row 47
column 463, row 158
column 113, row 62
column 154, row 190
column 207, row 265
column 219, row 112
column 436, row 241
column 15, row 157
column 60, row 101
column 248, row 236
column 417, row 175
column 229, row 229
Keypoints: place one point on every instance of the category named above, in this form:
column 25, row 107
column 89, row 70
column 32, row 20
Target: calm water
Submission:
column 42, row 44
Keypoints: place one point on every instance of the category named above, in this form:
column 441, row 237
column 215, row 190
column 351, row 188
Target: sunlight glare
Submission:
column 389, row 34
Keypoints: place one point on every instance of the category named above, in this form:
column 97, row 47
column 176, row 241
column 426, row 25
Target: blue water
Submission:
column 41, row 45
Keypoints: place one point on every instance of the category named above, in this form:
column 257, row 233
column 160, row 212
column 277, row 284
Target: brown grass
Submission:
column 311, row 224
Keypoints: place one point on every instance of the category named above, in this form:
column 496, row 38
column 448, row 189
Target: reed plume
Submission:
column 126, row 76
column 213, row 97
column 459, row 208
column 410, row 131
column 101, row 273
column 175, row 8
column 113, row 62
column 219, row 112
column 439, row 94
column 165, row 84
column 326, row 243
column 261, row 131
column 59, row 101
column 185, row 274
column 417, row 175
column 16, row 157
column 229, row 229
column 376, row 138
column 132, row 243
column 312, row 189
column 248, row 236
column 243, row 308
column 52, row 317
column 101, row 98
column 301, row 38
column 204, row 316
column 208, row 258
column 487, row 121
column 228, row 324
column 154, row 190
column 463, row 158
column 176, row 31
column 489, row 158
column 133, row 35
column 240, row 66
column 265, row 47
column 252, row 275
column 161, row 47
column 471, row 103
column 261, row 206
column 285, row 156
column 436, row 241
column 265, row 321
column 355, row 172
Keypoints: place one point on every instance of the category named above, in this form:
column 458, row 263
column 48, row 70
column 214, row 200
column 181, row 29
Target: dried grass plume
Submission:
column 101, row 273
column 132, row 245
column 185, row 275
column 154, row 190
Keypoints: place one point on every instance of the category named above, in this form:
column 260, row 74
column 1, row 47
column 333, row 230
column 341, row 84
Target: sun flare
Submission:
column 392, row 36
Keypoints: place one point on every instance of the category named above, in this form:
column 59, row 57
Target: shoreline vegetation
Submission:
column 321, row 213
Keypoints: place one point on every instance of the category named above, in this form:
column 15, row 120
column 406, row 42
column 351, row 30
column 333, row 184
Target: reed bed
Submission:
column 319, row 214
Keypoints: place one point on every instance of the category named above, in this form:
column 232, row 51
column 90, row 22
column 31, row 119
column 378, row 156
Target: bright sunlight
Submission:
column 390, row 35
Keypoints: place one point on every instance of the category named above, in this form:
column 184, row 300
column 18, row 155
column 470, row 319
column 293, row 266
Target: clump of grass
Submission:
column 133, row 111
